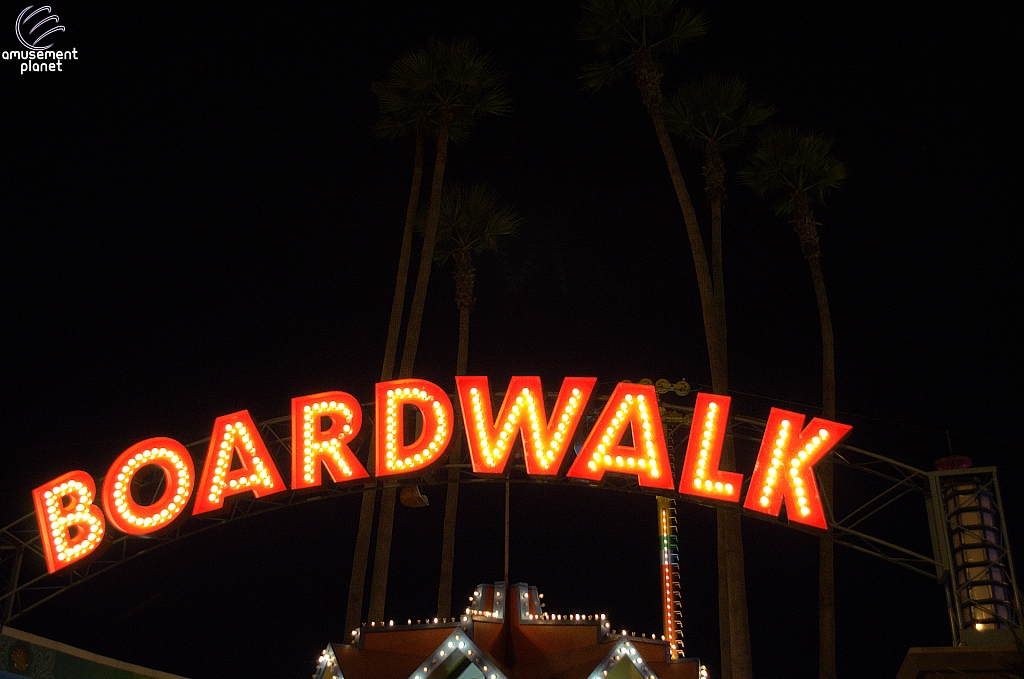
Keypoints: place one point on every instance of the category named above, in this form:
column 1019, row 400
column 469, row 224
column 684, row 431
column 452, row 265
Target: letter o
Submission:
column 127, row 515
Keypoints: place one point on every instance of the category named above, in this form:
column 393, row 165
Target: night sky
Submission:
column 198, row 220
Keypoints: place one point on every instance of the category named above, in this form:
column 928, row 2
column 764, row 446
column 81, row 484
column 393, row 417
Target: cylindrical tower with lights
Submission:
column 969, row 532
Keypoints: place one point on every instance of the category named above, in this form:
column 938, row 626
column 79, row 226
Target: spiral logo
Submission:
column 28, row 16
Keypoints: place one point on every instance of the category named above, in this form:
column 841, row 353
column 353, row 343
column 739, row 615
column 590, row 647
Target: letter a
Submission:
column 785, row 463
column 633, row 406
column 236, row 435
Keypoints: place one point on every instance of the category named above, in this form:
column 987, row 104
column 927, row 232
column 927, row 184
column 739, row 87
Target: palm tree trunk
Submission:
column 402, row 279
column 826, row 546
column 451, row 503
column 828, row 350
column 733, row 624
column 385, row 524
column 507, row 544
column 419, row 297
column 451, row 506
column 712, row 332
column 724, row 630
column 714, row 177
column 464, row 279
column 354, row 611
column 826, row 596
column 736, row 581
column 357, row 583
column 730, row 544
column 806, row 230
column 733, row 620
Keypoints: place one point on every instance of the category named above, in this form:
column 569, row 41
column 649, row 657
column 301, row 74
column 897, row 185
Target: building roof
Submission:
column 490, row 642
column 27, row 655
column 962, row 662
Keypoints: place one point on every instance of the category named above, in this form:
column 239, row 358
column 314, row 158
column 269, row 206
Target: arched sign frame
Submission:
column 22, row 556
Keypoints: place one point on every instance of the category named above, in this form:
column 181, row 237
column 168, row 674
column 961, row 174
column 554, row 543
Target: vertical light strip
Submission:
column 671, row 614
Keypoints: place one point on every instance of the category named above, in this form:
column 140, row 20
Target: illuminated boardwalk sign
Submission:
column 72, row 525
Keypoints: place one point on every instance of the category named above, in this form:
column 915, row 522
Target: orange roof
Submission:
column 519, row 644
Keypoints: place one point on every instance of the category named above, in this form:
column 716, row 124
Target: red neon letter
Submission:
column 393, row 455
column 784, row 465
column 522, row 413
column 314, row 447
column 634, row 406
column 236, row 434
column 701, row 475
column 128, row 516
column 70, row 525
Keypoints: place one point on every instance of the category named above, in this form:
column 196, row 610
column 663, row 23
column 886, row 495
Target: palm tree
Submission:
column 472, row 222
column 467, row 86
column 632, row 37
column 406, row 111
column 712, row 115
column 798, row 169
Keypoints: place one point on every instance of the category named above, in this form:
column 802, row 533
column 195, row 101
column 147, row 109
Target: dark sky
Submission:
column 199, row 220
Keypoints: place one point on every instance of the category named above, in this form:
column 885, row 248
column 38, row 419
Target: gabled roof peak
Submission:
column 506, row 631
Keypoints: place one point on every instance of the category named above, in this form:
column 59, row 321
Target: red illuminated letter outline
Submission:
column 634, row 406
column 701, row 475
column 236, row 434
column 70, row 526
column 785, row 463
column 314, row 448
column 393, row 455
column 522, row 413
column 123, row 511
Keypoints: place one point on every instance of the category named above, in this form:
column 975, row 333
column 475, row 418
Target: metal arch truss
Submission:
column 895, row 482
column 28, row 585
column 888, row 481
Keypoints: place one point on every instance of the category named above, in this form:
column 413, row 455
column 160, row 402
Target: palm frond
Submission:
column 453, row 75
column 469, row 84
column 460, row 129
column 714, row 108
column 473, row 220
column 821, row 172
column 787, row 161
column 686, row 26
column 599, row 75
column 757, row 113
column 607, row 24
column 619, row 28
column 403, row 97
column 392, row 128
column 771, row 167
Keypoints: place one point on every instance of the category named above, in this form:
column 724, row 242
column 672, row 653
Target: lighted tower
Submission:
column 969, row 537
column 671, row 613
